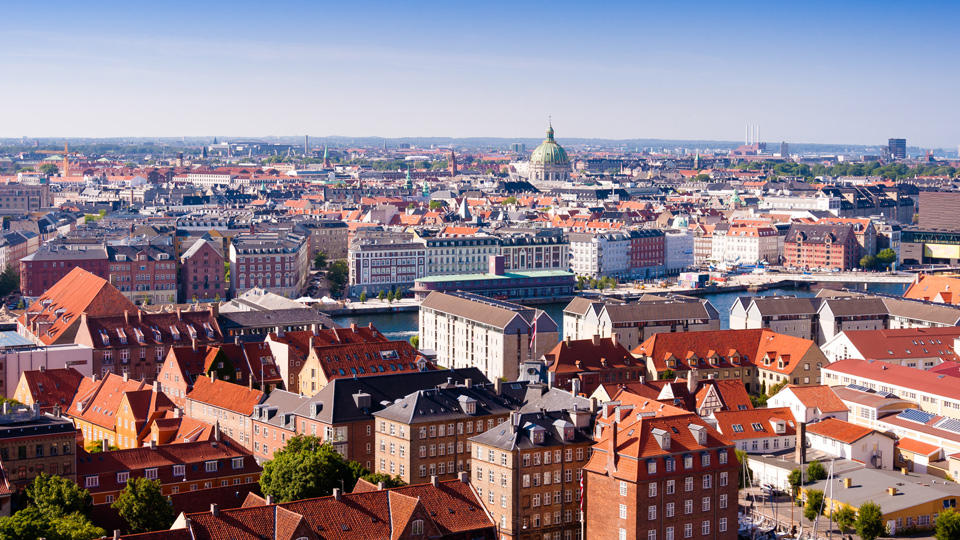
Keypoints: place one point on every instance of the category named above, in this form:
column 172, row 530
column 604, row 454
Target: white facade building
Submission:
column 678, row 250
column 747, row 245
column 600, row 254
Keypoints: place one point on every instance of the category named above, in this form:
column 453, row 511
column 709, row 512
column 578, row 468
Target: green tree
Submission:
column 337, row 277
column 390, row 297
column 887, row 257
column 795, row 479
column 95, row 447
column 54, row 496
column 437, row 205
column 381, row 295
column 363, row 297
column 306, row 468
column 776, row 388
column 744, row 460
column 815, row 470
column 320, row 261
column 226, row 271
column 948, row 525
column 867, row 262
column 869, row 523
column 388, row 481
column 142, row 505
column 415, row 342
column 49, row 169
column 510, row 200
column 667, row 374
column 814, row 504
column 9, row 281
column 845, row 516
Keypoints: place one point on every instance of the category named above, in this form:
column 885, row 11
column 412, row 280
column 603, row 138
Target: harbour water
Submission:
column 398, row 326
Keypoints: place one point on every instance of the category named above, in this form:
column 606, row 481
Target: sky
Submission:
column 852, row 72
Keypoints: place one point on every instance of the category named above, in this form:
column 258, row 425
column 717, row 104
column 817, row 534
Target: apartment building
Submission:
column 202, row 276
column 822, row 247
column 660, row 473
column 145, row 274
column 18, row 199
column 591, row 362
column 32, row 444
column 468, row 330
column 597, row 255
column 116, row 409
column 278, row 262
column 527, row 471
column 42, row 269
column 226, row 405
column 759, row 431
column 746, row 244
column 179, row 468
column 426, row 433
column 384, row 261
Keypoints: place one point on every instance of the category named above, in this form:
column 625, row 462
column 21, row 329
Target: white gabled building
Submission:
column 810, row 403
column 758, row 431
column 850, row 441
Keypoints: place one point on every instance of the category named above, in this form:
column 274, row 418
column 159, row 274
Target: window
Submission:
column 670, row 487
column 687, row 462
column 688, row 506
column 652, row 534
column 705, row 506
column 623, row 511
column 651, row 467
column 723, row 457
column 623, row 489
column 122, row 477
column 723, row 500
column 705, row 527
column 622, row 535
column 652, row 489
column 92, row 481
column 722, row 525
column 416, row 527
column 668, row 534
column 707, row 481
column 688, row 483
column 652, row 512
column 150, row 474
column 210, row 466
column 688, row 530
column 669, row 510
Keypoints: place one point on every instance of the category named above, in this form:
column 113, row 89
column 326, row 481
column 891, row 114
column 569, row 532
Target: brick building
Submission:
column 225, row 404
column 441, row 510
column 426, row 433
column 179, row 468
column 42, row 269
column 202, row 272
column 32, row 443
column 660, row 473
column 325, row 363
column 116, row 409
column 647, row 253
column 145, row 274
column 275, row 261
column 290, row 349
column 342, row 412
column 527, row 471
column 823, row 247
column 592, row 362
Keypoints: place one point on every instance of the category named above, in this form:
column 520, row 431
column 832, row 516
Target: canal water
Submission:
column 398, row 326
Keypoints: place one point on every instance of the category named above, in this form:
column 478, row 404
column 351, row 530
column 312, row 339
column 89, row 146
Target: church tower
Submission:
column 453, row 163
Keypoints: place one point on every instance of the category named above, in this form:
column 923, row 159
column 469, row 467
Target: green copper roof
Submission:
column 549, row 153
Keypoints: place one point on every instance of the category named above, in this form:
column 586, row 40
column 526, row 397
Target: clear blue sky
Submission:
column 833, row 72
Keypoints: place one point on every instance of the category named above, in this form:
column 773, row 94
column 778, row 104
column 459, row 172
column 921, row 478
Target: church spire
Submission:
column 550, row 128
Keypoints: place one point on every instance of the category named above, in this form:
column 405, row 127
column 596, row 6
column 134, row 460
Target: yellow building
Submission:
column 907, row 500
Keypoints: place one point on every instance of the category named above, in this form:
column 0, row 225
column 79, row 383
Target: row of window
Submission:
column 687, row 530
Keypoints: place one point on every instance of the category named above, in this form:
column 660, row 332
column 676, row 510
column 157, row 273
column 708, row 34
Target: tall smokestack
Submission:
column 746, row 135
column 306, row 145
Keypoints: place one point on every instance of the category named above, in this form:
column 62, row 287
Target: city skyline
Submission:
column 810, row 73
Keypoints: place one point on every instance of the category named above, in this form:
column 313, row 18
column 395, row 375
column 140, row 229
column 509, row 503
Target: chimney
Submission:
column 566, row 341
column 153, row 444
column 643, row 379
column 193, row 343
column 140, row 315
column 353, row 327
column 310, row 347
column 104, row 445
column 892, row 491
column 250, row 383
column 692, row 381
column 179, row 314
column 216, row 432
column 380, row 485
column 126, row 377
column 116, row 534
column 176, row 412
column 434, row 481
column 903, row 471
column 214, row 511
column 236, row 340
column 126, row 317
column 593, row 406
column 575, row 386
column 612, row 449
column 336, row 494
column 614, row 339
column 462, row 476
column 468, row 383
column 43, row 368
column 156, row 386
column 213, row 375
column 498, row 386
column 596, row 340
column 847, row 483
column 801, row 452
column 269, row 500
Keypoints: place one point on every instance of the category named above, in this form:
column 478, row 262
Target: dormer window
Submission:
column 175, row 333
column 139, row 335
column 208, row 329
column 780, row 363
column 122, row 336
column 156, row 334
column 105, row 338
column 192, row 331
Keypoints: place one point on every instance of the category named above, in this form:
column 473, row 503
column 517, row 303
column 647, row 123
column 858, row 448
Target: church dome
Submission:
column 549, row 152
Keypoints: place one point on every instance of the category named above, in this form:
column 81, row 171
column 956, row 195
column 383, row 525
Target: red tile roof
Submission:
column 727, row 420
column 579, row 355
column 820, row 397
column 50, row 387
column 225, row 395
column 97, row 401
column 917, row 447
column 839, row 430
column 54, row 317
column 905, row 343
column 891, row 374
column 935, row 289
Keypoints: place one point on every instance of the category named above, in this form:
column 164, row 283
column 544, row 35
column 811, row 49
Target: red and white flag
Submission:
column 533, row 334
column 581, row 494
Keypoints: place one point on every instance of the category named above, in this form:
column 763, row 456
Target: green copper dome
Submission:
column 549, row 153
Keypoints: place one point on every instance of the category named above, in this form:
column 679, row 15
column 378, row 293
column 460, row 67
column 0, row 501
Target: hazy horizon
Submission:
column 860, row 72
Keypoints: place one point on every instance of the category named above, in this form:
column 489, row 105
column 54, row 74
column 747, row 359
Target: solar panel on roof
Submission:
column 885, row 394
column 858, row 387
column 949, row 424
column 916, row 416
